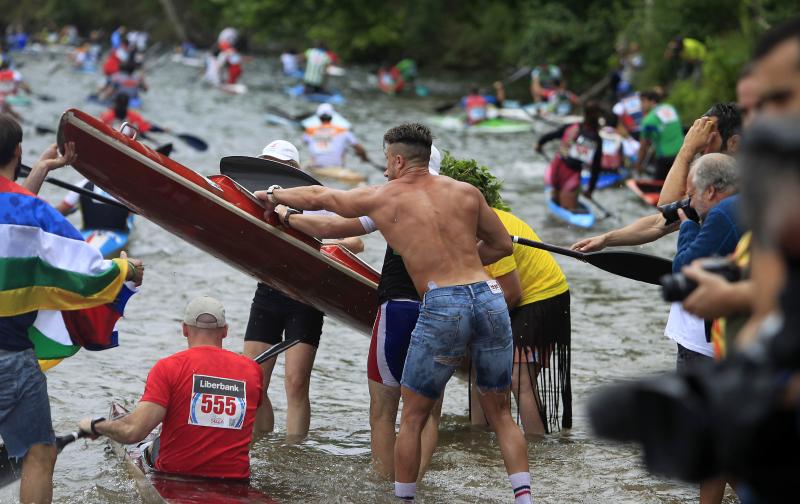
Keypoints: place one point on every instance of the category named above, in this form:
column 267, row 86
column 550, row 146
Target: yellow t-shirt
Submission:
column 539, row 274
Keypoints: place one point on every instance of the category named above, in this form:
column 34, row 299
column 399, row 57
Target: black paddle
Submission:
column 276, row 350
column 633, row 265
column 26, row 170
column 284, row 118
column 521, row 72
column 256, row 174
column 11, row 469
column 192, row 141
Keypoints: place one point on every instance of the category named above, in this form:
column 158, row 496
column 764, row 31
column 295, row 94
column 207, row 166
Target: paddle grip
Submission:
column 548, row 247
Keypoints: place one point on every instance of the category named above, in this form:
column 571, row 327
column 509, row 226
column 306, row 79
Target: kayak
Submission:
column 327, row 277
column 234, row 89
column 585, row 219
column 497, row 125
column 281, row 118
column 109, row 242
column 190, row 61
column 313, row 121
column 338, row 173
column 648, row 190
column 607, row 178
column 299, row 91
column 158, row 487
column 18, row 100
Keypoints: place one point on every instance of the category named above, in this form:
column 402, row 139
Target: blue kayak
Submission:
column 299, row 91
column 607, row 179
column 584, row 220
column 109, row 242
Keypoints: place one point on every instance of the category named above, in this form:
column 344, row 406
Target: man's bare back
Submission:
column 433, row 222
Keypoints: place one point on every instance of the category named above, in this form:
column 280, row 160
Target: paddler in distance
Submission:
column 391, row 333
column 274, row 315
column 205, row 396
column 445, row 232
column 328, row 143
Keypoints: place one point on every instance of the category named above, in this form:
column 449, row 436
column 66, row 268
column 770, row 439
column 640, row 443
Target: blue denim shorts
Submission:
column 24, row 404
column 452, row 321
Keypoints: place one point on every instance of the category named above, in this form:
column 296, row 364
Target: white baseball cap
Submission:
column 325, row 109
column 283, row 150
column 207, row 308
column 436, row 161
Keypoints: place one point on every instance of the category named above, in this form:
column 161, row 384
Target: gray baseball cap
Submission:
column 204, row 305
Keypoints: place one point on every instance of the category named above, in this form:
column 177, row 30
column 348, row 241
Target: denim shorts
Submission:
column 24, row 404
column 452, row 321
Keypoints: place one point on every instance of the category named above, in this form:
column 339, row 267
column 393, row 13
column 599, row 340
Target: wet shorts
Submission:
column 561, row 177
column 452, row 320
column 273, row 315
column 391, row 335
column 24, row 404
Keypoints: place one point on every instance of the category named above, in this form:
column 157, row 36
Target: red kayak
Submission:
column 648, row 190
column 219, row 216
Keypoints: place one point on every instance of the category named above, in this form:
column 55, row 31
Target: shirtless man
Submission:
column 434, row 223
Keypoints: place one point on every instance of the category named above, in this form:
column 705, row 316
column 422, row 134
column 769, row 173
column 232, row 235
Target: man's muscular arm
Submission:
column 495, row 242
column 131, row 428
column 352, row 203
column 323, row 226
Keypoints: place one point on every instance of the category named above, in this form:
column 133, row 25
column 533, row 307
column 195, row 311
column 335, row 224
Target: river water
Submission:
column 617, row 324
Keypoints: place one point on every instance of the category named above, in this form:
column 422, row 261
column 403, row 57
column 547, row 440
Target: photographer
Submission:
column 738, row 417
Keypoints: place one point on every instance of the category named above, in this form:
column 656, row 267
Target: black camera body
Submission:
column 677, row 287
column 670, row 211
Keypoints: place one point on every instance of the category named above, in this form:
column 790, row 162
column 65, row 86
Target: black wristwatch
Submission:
column 289, row 212
column 94, row 422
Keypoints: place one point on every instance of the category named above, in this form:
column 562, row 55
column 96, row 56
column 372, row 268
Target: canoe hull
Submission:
column 648, row 190
column 583, row 220
column 220, row 217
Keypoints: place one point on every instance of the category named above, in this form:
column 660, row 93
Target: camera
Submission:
column 670, row 211
column 677, row 287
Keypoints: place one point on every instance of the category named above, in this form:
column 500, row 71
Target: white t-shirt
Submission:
column 687, row 330
column 328, row 145
column 289, row 62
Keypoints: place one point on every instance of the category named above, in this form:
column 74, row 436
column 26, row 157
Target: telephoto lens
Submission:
column 677, row 287
column 670, row 211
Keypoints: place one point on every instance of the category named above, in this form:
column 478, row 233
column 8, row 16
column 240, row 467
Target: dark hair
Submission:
column 592, row 113
column 729, row 120
column 121, row 106
column 415, row 138
column 777, row 36
column 10, row 137
column 611, row 119
column 651, row 94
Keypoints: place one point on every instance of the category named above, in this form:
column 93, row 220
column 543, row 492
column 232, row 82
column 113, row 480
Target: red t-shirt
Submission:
column 211, row 396
column 109, row 118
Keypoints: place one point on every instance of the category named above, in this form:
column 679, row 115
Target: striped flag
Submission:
column 47, row 268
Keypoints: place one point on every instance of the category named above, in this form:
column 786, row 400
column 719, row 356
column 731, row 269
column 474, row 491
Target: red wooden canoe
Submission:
column 219, row 216
column 648, row 190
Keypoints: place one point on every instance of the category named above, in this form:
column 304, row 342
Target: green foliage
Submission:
column 468, row 170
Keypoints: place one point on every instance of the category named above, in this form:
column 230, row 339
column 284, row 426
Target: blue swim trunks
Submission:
column 452, row 321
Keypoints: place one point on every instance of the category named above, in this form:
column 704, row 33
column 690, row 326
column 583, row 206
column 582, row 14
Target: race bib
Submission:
column 476, row 114
column 583, row 150
column 494, row 286
column 611, row 145
column 666, row 114
column 217, row 402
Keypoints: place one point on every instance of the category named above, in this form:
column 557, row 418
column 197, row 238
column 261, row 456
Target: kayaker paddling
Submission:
column 434, row 223
column 328, row 143
column 205, row 396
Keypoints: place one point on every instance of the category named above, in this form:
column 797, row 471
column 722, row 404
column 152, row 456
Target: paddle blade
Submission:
column 194, row 142
column 165, row 149
column 10, row 469
column 633, row 265
column 256, row 174
column 445, row 107
column 44, row 130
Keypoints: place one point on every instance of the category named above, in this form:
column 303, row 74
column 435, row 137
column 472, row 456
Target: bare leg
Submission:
column 299, row 361
column 265, row 417
column 509, row 436
column 523, row 385
column 712, row 491
column 407, row 447
column 476, row 415
column 37, row 474
column 430, row 436
column 383, row 403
